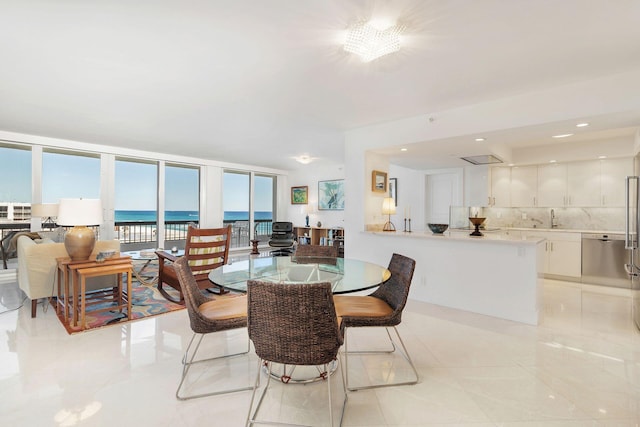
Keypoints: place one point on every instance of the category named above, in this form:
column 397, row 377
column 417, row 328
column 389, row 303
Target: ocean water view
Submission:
column 229, row 216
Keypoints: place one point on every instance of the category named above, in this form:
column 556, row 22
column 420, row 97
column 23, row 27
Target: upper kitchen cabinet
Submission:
column 500, row 187
column 524, row 186
column 583, row 184
column 612, row 175
column 552, row 185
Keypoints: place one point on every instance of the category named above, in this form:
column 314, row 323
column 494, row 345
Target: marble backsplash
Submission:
column 602, row 219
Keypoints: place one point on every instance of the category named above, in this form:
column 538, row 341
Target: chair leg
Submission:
column 402, row 350
column 188, row 362
column 251, row 418
column 34, row 308
column 164, row 293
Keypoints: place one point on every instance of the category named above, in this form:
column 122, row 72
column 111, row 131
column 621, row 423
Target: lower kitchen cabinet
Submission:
column 562, row 252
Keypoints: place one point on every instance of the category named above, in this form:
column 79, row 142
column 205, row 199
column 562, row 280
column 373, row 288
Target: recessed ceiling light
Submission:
column 480, row 139
column 564, row 135
column 602, row 157
column 582, row 125
column 403, row 149
column 511, row 164
column 552, row 161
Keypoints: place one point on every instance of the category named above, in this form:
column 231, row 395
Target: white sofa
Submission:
column 37, row 268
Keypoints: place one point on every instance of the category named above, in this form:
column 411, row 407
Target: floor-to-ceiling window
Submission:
column 264, row 204
column 15, row 190
column 136, row 201
column 249, row 218
column 69, row 175
column 181, row 200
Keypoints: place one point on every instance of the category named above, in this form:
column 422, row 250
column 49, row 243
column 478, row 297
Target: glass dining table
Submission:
column 345, row 275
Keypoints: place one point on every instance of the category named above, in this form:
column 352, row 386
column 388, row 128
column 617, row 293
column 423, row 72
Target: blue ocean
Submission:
column 229, row 216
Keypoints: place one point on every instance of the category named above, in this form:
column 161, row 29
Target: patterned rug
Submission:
column 147, row 301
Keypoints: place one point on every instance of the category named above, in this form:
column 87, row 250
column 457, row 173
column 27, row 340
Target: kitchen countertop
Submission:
column 461, row 236
column 563, row 230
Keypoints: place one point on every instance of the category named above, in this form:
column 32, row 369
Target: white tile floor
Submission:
column 579, row 367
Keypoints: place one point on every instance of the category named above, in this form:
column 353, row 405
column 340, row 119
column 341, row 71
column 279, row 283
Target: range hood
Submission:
column 485, row 159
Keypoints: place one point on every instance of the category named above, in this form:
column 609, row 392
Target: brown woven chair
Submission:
column 292, row 324
column 383, row 308
column 317, row 250
column 207, row 315
column 206, row 249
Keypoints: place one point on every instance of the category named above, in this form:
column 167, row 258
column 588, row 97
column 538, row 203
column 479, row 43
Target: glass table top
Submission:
column 345, row 275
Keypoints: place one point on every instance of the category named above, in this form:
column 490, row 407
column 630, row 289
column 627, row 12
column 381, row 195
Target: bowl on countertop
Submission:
column 438, row 228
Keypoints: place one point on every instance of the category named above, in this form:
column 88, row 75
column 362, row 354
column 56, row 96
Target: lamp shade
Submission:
column 80, row 212
column 388, row 206
column 44, row 210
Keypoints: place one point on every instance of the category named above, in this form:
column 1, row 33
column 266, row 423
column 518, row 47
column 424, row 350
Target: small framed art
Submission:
column 299, row 195
column 393, row 190
column 379, row 182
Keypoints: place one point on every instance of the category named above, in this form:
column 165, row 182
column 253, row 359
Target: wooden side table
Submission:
column 72, row 296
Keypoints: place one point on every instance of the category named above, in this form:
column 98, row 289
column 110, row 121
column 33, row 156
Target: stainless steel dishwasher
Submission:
column 603, row 260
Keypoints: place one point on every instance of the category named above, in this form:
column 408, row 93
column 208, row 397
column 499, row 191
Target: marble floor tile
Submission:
column 579, row 367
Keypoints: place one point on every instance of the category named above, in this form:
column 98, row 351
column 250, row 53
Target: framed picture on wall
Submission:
column 393, row 190
column 299, row 195
column 331, row 195
column 379, row 182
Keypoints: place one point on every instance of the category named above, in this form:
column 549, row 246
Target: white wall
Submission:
column 309, row 175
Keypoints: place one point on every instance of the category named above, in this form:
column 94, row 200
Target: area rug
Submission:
column 147, row 302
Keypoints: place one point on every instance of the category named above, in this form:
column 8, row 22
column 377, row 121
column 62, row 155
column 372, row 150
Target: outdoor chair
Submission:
column 207, row 315
column 293, row 324
column 383, row 308
column 205, row 249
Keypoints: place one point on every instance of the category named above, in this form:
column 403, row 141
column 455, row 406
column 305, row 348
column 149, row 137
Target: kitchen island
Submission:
column 496, row 275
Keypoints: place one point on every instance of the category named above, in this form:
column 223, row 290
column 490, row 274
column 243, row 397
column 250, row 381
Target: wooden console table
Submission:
column 72, row 296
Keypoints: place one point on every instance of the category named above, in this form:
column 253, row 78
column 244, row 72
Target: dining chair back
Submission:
column 293, row 324
column 317, row 250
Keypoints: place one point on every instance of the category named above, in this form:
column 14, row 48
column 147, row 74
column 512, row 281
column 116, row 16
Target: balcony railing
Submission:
column 143, row 234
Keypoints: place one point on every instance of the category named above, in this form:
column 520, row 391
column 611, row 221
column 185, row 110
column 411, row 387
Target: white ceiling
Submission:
column 259, row 82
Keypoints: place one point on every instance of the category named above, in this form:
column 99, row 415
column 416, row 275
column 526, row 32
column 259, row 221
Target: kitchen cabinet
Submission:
column 612, row 176
column 562, row 253
column 524, row 186
column 552, row 185
column 500, row 187
column 583, row 184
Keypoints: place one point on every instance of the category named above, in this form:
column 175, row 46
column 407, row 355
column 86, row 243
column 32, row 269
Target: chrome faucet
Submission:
column 554, row 224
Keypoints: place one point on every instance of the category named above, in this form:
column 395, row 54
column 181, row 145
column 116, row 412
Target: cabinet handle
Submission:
column 534, row 201
column 551, row 246
column 546, row 246
column 489, row 201
column 564, row 200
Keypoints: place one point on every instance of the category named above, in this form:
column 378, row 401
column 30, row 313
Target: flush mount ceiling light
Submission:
column 564, row 135
column 304, row 159
column 369, row 41
column 480, row 139
column 582, row 125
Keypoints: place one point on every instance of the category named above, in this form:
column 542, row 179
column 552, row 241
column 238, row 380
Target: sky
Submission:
column 70, row 176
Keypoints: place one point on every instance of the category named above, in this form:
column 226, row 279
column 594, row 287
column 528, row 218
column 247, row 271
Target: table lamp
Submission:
column 46, row 211
column 389, row 208
column 79, row 213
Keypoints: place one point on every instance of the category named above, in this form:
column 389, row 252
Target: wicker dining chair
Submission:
column 207, row 315
column 206, row 249
column 383, row 308
column 292, row 324
column 317, row 250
